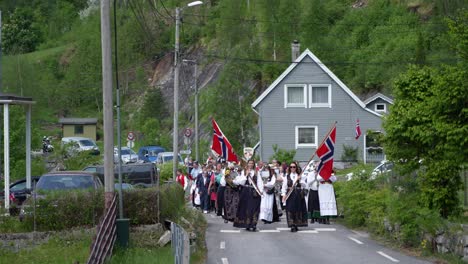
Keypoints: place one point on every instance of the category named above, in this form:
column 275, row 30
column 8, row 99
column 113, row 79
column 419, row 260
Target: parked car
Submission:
column 125, row 186
column 67, row 180
column 149, row 153
column 384, row 167
column 127, row 155
column 164, row 157
column 133, row 173
column 79, row 144
column 18, row 190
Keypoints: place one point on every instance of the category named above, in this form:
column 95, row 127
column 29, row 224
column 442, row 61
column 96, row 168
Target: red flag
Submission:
column 12, row 197
column 221, row 145
column 358, row 130
column 325, row 153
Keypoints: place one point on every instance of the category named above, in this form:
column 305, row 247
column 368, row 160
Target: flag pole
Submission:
column 295, row 182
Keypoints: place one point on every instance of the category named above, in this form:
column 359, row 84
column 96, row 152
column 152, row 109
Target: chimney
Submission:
column 295, row 50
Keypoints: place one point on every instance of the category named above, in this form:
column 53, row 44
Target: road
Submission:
column 275, row 244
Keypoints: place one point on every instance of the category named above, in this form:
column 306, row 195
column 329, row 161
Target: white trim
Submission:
column 304, row 94
column 296, row 139
column 320, row 104
column 307, row 52
column 384, row 107
column 378, row 95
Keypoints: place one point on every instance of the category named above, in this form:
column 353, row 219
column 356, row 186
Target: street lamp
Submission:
column 196, row 104
column 175, row 143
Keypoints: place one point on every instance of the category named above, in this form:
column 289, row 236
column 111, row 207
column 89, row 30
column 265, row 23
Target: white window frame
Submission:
column 298, row 145
column 288, row 105
column 328, row 104
column 384, row 107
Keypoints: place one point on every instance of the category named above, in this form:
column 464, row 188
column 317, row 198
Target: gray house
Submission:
column 301, row 105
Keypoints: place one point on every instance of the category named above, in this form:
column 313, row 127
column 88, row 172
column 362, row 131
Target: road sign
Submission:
column 131, row 136
column 188, row 132
column 187, row 141
column 130, row 143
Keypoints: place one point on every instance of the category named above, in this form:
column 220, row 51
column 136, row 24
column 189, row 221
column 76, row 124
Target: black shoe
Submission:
column 292, row 229
column 254, row 229
column 312, row 221
column 226, row 221
column 248, row 228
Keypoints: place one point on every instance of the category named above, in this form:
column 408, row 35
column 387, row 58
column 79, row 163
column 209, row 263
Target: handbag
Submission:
column 271, row 191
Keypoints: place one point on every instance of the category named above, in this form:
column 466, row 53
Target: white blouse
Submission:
column 293, row 177
column 242, row 179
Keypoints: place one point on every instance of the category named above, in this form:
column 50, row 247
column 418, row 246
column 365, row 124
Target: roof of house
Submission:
column 378, row 95
column 15, row 99
column 293, row 65
column 78, row 121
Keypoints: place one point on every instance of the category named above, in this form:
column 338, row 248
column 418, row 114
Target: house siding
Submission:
column 89, row 131
column 278, row 123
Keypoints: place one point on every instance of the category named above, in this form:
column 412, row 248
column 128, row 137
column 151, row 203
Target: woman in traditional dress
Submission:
column 268, row 203
column 221, row 188
column 213, row 189
column 327, row 200
column 231, row 196
column 249, row 199
column 313, row 198
column 295, row 205
column 278, row 206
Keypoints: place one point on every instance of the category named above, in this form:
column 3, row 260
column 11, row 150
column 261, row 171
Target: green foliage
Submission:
column 141, row 206
column 283, row 155
column 172, row 202
column 20, row 33
column 166, row 171
column 143, row 255
column 349, row 153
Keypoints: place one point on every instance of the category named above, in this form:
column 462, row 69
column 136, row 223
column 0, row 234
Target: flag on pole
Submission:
column 358, row 130
column 325, row 153
column 221, row 145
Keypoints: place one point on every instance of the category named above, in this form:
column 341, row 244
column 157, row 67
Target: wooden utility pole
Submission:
column 108, row 104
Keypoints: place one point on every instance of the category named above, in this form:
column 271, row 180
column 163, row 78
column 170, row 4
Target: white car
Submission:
column 165, row 157
column 127, row 155
column 385, row 166
column 78, row 144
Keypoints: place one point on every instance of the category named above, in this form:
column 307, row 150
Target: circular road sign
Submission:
column 187, row 132
column 130, row 136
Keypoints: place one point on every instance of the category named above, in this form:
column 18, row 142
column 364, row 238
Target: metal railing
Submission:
column 180, row 243
column 106, row 235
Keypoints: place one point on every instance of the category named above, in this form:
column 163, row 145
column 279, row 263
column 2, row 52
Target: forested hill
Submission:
column 52, row 50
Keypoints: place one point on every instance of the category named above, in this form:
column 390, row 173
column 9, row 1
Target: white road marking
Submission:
column 355, row 240
column 229, row 231
column 325, row 229
column 308, row 231
column 361, row 234
column 283, row 228
column 222, row 245
column 225, row 261
column 269, row 231
column 387, row 256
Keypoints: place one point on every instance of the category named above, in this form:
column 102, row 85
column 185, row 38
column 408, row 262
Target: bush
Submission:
column 172, row 201
column 165, row 173
column 349, row 153
column 283, row 155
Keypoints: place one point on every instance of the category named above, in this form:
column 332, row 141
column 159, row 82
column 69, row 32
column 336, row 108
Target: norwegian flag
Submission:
column 325, row 154
column 12, row 197
column 358, row 130
column 221, row 145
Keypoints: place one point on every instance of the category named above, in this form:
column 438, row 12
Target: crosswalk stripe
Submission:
column 308, row 231
column 225, row 261
column 229, row 231
column 269, row 231
column 283, row 228
column 325, row 229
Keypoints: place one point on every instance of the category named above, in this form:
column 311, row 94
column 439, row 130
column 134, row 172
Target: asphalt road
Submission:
column 274, row 243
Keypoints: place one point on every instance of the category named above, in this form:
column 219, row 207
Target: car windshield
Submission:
column 153, row 153
column 127, row 152
column 169, row 158
column 87, row 143
column 64, row 182
column 19, row 186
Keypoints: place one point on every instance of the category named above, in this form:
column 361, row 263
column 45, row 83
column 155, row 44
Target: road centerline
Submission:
column 387, row 256
column 355, row 240
column 222, row 245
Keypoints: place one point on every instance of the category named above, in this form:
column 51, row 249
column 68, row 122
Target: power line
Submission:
column 167, row 11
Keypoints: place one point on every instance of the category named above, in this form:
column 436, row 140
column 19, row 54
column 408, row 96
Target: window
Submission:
column 320, row 95
column 306, row 136
column 294, row 95
column 78, row 129
column 380, row 108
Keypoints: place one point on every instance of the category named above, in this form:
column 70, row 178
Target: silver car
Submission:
column 127, row 155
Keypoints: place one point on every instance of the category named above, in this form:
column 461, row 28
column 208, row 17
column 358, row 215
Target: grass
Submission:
column 143, row 255
column 59, row 249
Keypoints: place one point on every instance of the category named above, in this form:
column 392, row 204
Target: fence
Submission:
column 180, row 242
column 104, row 240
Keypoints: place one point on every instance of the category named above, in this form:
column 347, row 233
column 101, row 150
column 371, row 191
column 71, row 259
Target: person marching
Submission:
column 221, row 181
column 327, row 200
column 293, row 197
column 268, row 210
column 202, row 185
column 250, row 198
column 313, row 198
column 278, row 185
column 231, row 196
column 182, row 179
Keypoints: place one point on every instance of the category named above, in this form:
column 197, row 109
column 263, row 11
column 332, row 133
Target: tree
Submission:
column 20, row 33
column 427, row 130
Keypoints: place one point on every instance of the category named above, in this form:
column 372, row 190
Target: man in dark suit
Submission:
column 203, row 181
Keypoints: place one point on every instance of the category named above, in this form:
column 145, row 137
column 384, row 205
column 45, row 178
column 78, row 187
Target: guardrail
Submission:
column 106, row 234
column 180, row 243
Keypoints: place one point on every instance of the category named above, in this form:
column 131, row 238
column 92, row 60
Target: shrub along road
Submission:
column 274, row 243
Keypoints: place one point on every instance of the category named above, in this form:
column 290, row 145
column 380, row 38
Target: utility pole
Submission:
column 175, row 143
column 107, row 101
column 1, row 88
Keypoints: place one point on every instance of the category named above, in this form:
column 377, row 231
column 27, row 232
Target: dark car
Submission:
column 134, row 173
column 68, row 180
column 18, row 190
column 149, row 153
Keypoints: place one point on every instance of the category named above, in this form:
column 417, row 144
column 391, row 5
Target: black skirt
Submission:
column 231, row 202
column 296, row 211
column 220, row 199
column 313, row 204
column 249, row 208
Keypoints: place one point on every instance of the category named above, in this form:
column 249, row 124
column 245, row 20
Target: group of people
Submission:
column 259, row 191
